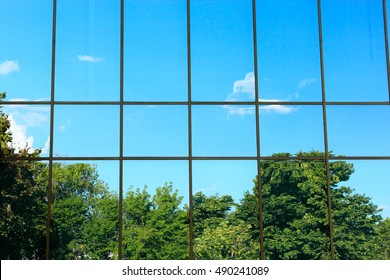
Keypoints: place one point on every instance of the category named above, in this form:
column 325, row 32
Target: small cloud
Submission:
column 240, row 110
column 64, row 125
column 243, row 90
column 88, row 58
column 306, row 82
column 9, row 66
column 281, row 109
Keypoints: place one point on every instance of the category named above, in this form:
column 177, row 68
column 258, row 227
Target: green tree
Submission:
column 22, row 199
column 84, row 221
column 155, row 227
column 295, row 217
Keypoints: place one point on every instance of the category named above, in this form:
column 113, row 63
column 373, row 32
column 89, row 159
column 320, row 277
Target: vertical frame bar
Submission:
column 120, row 232
column 259, row 177
column 50, row 182
column 191, row 257
column 329, row 202
column 386, row 45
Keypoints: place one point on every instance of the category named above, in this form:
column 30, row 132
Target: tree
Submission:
column 296, row 225
column 155, row 227
column 23, row 204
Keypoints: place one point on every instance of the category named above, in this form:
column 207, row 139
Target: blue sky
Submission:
column 155, row 69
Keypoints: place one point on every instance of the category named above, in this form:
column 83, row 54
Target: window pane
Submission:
column 23, row 209
column 30, row 127
column 25, row 49
column 354, row 51
column 86, row 130
column 359, row 130
column 221, row 49
column 155, row 210
column 224, row 130
column 84, row 213
column 87, row 50
column 155, row 131
column 291, row 129
column 288, row 50
column 155, row 50
column 363, row 190
column 226, row 220
column 295, row 210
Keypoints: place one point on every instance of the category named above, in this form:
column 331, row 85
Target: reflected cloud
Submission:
column 88, row 58
column 244, row 90
column 9, row 66
column 306, row 82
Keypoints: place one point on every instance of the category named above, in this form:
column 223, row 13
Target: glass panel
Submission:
column 30, row 127
column 23, row 209
column 291, row 129
column 295, row 210
column 359, row 130
column 155, row 50
column 360, row 203
column 155, row 210
column 224, row 130
column 86, row 130
column 155, row 131
column 25, row 49
column 354, row 51
column 221, row 50
column 226, row 223
column 288, row 50
column 84, row 219
column 87, row 50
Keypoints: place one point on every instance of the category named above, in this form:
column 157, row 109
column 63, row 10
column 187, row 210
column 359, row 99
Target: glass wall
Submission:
column 194, row 129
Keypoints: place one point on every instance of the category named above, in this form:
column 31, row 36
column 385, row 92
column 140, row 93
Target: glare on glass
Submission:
column 291, row 129
column 354, row 51
column 87, row 50
column 25, row 51
column 155, row 131
column 288, row 50
column 86, row 130
column 228, row 130
column 221, row 50
column 155, row 59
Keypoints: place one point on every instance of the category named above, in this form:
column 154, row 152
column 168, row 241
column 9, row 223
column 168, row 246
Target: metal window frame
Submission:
column 257, row 103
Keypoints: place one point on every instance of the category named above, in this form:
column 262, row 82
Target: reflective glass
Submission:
column 291, row 129
column 87, row 50
column 359, row 130
column 155, row 131
column 228, row 130
column 295, row 210
column 155, row 210
column 288, row 50
column 155, row 60
column 360, row 203
column 226, row 223
column 85, row 210
column 25, row 49
column 86, row 130
column 222, row 50
column 30, row 127
column 354, row 51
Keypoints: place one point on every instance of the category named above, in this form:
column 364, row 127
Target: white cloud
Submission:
column 9, row 66
column 19, row 137
column 45, row 149
column 306, row 82
column 244, row 90
column 88, row 58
